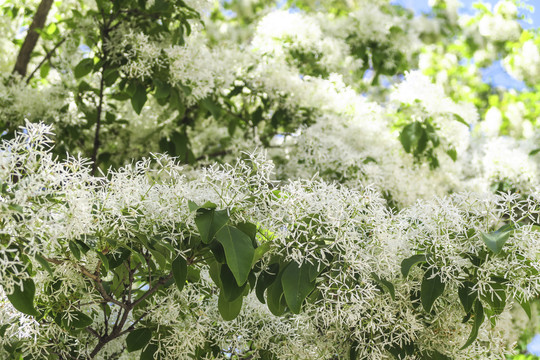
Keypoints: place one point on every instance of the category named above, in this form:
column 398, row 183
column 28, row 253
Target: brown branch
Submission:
column 47, row 57
column 152, row 290
column 25, row 53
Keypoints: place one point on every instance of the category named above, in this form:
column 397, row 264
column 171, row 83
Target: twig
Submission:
column 47, row 57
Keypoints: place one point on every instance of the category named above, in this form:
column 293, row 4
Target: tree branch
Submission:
column 155, row 288
column 47, row 57
column 30, row 41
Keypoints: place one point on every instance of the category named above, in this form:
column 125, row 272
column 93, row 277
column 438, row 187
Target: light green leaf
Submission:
column 496, row 240
column 260, row 251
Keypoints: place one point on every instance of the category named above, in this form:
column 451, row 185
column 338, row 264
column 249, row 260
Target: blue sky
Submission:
column 422, row 5
column 495, row 74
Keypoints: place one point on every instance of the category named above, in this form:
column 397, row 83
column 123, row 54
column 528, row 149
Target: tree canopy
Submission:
column 262, row 179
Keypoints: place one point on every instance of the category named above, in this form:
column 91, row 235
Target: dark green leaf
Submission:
column 274, row 294
column 138, row 338
column 179, row 269
column 467, row 296
column 296, row 285
column 229, row 287
column 385, row 284
column 22, row 299
column 148, row 353
column 496, row 298
column 212, row 107
column 239, row 251
column 74, row 250
column 409, row 262
column 44, row 263
column 265, row 279
column 431, row 288
column 139, row 98
column 478, row 320
column 84, row 67
column 79, row 320
column 209, row 222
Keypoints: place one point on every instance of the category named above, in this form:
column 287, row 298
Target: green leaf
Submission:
column 274, row 293
column 534, row 152
column 139, row 98
column 22, row 299
column 179, row 269
column 159, row 258
column 74, row 250
column 296, row 285
column 84, row 67
column 162, row 89
column 265, row 279
column 44, row 263
column 229, row 310
column 44, row 70
column 137, row 339
column 496, row 240
column 409, row 262
column 460, row 119
column 209, row 222
column 212, row 107
column 229, row 288
column 260, row 251
column 104, row 261
column 79, row 320
column 431, row 288
column 192, row 205
column 385, row 284
column 496, row 298
column 467, row 296
column 411, row 135
column 452, row 153
column 526, row 307
column 239, row 252
column 478, row 320
column 249, row 229
column 148, row 353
